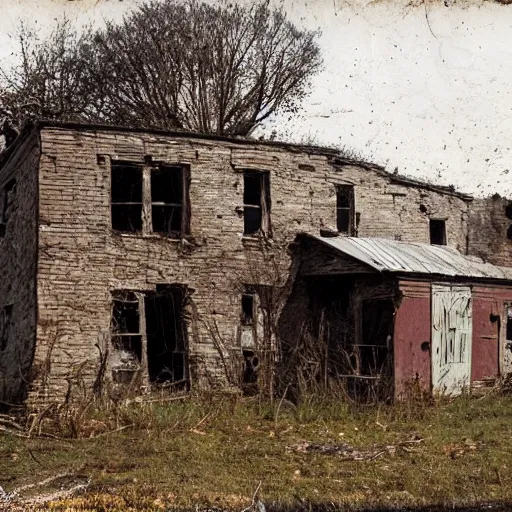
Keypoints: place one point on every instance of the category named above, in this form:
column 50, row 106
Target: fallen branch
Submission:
column 254, row 498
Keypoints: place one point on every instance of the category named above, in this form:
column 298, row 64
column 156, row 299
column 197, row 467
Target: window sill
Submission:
column 145, row 236
column 256, row 240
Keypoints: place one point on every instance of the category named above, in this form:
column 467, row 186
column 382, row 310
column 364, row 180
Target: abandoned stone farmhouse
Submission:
column 142, row 260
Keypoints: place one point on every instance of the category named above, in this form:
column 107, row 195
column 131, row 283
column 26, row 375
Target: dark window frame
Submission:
column 148, row 205
column 261, row 204
column 122, row 336
column 345, row 209
column 123, row 333
column 437, row 232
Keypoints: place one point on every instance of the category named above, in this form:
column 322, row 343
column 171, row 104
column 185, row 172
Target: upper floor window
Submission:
column 149, row 199
column 437, row 232
column 256, row 202
column 345, row 209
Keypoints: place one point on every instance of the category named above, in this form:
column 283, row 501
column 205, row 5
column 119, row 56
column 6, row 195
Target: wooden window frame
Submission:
column 264, row 205
column 147, row 201
column 348, row 189
column 445, row 235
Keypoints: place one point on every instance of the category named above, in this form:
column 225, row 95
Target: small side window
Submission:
column 437, row 232
column 247, row 309
column 256, row 202
column 345, row 209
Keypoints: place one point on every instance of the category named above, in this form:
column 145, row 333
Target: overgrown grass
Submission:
column 217, row 450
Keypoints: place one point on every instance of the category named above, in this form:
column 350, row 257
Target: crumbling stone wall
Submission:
column 490, row 222
column 81, row 261
column 18, row 254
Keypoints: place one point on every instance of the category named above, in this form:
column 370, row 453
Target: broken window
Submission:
column 8, row 195
column 149, row 335
column 345, row 209
column 149, row 199
column 126, row 194
column 5, row 326
column 166, row 335
column 167, row 200
column 249, row 344
column 247, row 309
column 437, row 232
column 256, row 202
column 126, row 336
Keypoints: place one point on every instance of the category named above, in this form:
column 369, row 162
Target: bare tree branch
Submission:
column 219, row 69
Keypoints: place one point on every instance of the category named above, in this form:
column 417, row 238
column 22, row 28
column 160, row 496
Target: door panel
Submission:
column 451, row 339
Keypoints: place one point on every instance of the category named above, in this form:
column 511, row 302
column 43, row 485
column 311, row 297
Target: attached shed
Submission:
column 400, row 317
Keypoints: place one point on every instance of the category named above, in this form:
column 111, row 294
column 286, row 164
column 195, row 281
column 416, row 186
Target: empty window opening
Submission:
column 508, row 210
column 6, row 206
column 126, row 336
column 167, row 200
column 256, row 202
column 509, row 232
column 126, row 197
column 437, row 232
column 345, row 208
column 5, row 326
column 149, row 200
column 247, row 309
column 166, row 335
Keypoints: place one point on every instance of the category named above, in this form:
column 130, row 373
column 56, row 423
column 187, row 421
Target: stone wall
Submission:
column 81, row 261
column 18, row 255
column 489, row 230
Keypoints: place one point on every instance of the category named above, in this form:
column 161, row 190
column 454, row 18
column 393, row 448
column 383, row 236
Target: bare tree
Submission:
column 50, row 77
column 215, row 69
column 169, row 64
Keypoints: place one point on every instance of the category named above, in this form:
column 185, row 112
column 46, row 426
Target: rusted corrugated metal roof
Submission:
column 415, row 258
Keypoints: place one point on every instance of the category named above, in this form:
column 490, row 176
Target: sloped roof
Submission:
column 393, row 256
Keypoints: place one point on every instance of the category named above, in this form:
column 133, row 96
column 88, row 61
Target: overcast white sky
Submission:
column 436, row 101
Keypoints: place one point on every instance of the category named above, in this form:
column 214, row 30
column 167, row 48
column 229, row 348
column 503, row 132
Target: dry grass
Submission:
column 216, row 451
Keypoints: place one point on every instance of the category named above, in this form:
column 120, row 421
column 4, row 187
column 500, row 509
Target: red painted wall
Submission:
column 487, row 301
column 412, row 329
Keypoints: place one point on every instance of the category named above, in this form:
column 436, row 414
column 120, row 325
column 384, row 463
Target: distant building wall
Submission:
column 490, row 230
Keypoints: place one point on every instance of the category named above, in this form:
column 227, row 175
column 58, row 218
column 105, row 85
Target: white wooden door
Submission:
column 451, row 339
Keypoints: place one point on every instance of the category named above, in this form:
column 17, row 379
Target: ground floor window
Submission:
column 148, row 336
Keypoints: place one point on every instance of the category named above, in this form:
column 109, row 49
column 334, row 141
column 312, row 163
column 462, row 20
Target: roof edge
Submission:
column 334, row 155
